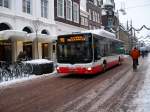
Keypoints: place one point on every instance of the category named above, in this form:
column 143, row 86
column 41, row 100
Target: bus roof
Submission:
column 100, row 32
column 103, row 33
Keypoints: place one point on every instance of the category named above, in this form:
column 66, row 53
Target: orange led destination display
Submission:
column 76, row 39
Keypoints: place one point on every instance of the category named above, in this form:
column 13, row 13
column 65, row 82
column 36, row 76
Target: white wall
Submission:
column 18, row 19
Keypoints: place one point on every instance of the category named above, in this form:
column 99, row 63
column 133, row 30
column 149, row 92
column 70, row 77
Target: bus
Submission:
column 88, row 52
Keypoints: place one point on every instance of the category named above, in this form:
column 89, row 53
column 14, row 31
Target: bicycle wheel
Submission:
column 28, row 69
column 5, row 75
column 17, row 72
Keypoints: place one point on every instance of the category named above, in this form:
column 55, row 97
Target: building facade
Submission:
column 94, row 10
column 67, row 16
column 110, row 19
column 28, row 22
column 32, row 25
column 84, row 20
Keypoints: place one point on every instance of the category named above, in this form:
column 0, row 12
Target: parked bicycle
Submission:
column 13, row 71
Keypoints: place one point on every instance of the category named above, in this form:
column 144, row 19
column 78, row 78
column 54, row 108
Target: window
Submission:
column 90, row 14
column 68, row 9
column 93, row 16
column 86, row 22
column 110, row 23
column 76, row 12
column 82, row 20
column 27, row 6
column 98, row 19
column 60, row 8
column 5, row 3
column 75, row 51
column 44, row 8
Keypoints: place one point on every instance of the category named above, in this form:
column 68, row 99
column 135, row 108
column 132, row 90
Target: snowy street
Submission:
column 117, row 90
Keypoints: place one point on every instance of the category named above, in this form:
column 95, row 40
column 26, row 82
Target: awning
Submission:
column 41, row 37
column 14, row 35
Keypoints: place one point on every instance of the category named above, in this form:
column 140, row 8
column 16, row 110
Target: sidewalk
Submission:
column 141, row 95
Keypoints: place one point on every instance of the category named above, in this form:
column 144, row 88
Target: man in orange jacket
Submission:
column 135, row 54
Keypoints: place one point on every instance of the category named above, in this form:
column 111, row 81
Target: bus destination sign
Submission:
column 77, row 38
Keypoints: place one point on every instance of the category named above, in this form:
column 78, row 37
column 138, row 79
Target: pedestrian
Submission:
column 143, row 53
column 135, row 54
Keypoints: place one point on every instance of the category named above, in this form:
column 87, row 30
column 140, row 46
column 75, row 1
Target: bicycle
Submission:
column 5, row 75
column 24, row 67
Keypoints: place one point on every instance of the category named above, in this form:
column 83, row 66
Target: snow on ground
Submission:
column 20, row 80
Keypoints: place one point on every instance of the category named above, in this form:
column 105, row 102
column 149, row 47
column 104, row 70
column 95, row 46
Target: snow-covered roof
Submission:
column 103, row 33
column 13, row 34
column 23, row 36
column 100, row 32
column 41, row 37
column 38, row 61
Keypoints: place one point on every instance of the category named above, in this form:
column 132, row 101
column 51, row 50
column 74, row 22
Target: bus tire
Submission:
column 119, row 60
column 104, row 65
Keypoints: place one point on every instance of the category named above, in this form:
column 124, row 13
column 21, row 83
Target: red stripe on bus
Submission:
column 112, row 63
column 80, row 70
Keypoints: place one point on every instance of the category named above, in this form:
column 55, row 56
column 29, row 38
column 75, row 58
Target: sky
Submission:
column 139, row 12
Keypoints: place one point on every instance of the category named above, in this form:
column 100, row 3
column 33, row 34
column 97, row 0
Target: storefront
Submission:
column 27, row 47
column 41, row 45
column 6, row 50
column 12, row 42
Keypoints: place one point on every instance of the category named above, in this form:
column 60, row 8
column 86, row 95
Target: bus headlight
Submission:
column 89, row 68
column 57, row 68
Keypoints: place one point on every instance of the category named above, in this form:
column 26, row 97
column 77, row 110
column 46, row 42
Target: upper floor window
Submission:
column 68, row 9
column 93, row 15
column 76, row 12
column 27, row 6
column 110, row 23
column 90, row 17
column 98, row 18
column 44, row 8
column 60, row 8
column 5, row 3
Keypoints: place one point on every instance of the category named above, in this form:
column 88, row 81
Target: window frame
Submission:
column 109, row 22
column 3, row 3
column 69, row 10
column 58, row 13
column 44, row 8
column 26, row 6
column 76, row 19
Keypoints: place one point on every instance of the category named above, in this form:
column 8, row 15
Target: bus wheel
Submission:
column 104, row 65
column 119, row 61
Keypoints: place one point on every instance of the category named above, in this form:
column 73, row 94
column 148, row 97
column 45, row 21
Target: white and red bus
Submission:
column 89, row 52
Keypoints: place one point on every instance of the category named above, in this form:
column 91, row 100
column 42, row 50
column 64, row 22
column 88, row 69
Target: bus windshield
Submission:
column 74, row 49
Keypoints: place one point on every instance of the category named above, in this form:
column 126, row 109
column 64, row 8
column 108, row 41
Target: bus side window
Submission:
column 97, row 50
